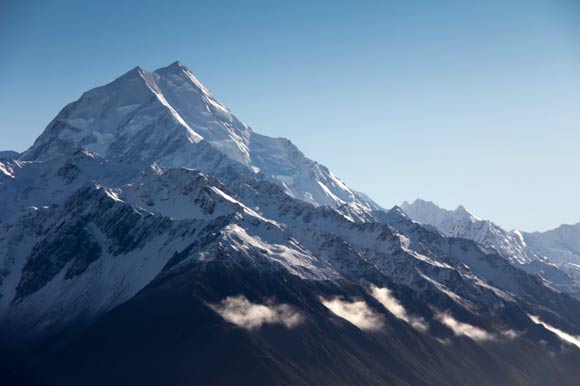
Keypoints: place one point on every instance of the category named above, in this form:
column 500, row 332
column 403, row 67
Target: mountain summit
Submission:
column 552, row 258
column 462, row 223
column 169, row 117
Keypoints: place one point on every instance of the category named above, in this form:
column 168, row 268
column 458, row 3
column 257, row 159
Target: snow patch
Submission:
column 452, row 295
column 7, row 170
column 330, row 194
column 291, row 256
column 110, row 193
column 192, row 135
column 246, row 209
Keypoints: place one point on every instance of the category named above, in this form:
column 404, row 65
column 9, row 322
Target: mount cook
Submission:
column 149, row 237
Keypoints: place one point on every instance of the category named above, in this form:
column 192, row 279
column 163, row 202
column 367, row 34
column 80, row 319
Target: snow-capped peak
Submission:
column 462, row 211
column 178, row 68
column 462, row 223
column 177, row 65
column 168, row 116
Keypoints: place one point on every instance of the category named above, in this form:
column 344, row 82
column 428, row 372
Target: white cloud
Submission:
column 357, row 312
column 240, row 311
column 460, row 328
column 475, row 333
column 574, row 339
column 386, row 298
column 510, row 334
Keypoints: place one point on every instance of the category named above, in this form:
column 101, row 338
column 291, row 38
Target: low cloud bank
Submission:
column 574, row 339
column 460, row 328
column 240, row 311
column 386, row 298
column 475, row 333
column 357, row 313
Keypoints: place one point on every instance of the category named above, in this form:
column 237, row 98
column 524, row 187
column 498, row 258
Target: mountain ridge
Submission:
column 540, row 253
column 172, row 98
column 138, row 258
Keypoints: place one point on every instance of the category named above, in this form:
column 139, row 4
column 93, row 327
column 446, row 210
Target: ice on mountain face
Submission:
column 462, row 223
column 544, row 255
column 130, row 112
column 166, row 116
column 178, row 194
column 7, row 169
column 93, row 120
column 286, row 253
column 50, row 182
column 194, row 103
column 74, row 283
column 304, row 179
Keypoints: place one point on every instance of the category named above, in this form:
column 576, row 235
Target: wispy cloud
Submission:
column 386, row 298
column 240, row 311
column 356, row 312
column 460, row 328
column 574, row 339
column 475, row 333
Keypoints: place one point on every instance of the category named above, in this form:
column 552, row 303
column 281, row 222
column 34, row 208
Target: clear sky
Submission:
column 458, row 102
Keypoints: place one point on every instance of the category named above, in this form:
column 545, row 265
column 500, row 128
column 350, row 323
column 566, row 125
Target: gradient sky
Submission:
column 458, row 102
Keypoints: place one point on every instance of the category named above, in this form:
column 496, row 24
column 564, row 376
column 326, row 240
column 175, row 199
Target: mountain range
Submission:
column 150, row 237
column 553, row 255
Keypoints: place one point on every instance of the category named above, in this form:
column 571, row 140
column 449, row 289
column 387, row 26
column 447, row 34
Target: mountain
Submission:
column 148, row 237
column 553, row 265
column 461, row 223
column 169, row 117
column 562, row 244
column 9, row 154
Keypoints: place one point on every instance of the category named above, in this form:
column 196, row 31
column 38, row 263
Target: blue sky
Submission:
column 459, row 102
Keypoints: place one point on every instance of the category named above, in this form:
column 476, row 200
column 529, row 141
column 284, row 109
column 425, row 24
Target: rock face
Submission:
column 149, row 237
